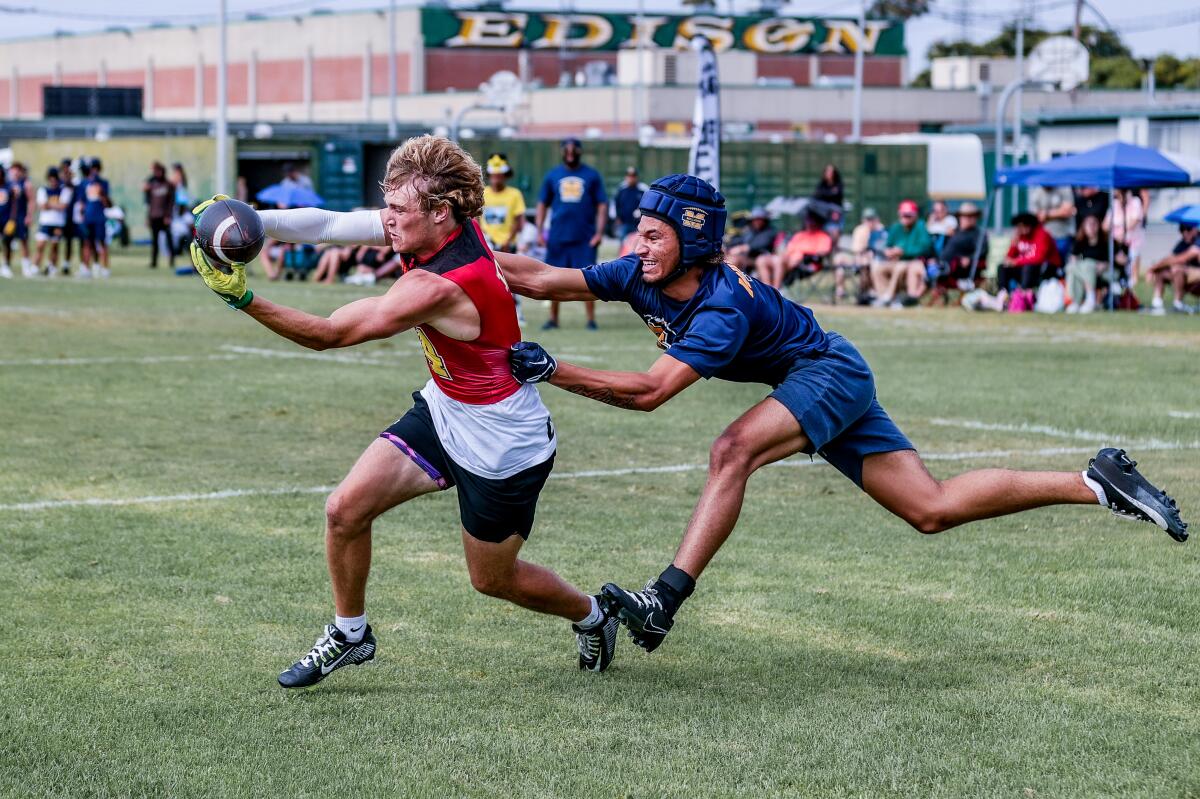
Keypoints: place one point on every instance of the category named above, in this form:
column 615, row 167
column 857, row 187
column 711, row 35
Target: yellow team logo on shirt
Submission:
column 743, row 279
column 436, row 363
column 570, row 189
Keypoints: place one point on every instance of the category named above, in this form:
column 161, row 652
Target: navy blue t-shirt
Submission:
column 572, row 196
column 93, row 191
column 733, row 328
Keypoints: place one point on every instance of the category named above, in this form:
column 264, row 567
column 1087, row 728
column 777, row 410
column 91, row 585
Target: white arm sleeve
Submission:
column 317, row 226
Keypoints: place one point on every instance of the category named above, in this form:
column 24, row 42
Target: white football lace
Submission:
column 589, row 645
column 647, row 598
column 324, row 646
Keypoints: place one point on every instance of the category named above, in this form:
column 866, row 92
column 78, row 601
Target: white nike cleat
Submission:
column 329, row 653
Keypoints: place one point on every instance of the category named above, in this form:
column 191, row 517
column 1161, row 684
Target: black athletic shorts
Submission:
column 491, row 510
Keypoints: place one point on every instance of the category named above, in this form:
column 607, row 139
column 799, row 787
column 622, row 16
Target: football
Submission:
column 230, row 232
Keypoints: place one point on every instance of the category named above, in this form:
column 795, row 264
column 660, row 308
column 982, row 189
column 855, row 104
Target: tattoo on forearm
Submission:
column 605, row 395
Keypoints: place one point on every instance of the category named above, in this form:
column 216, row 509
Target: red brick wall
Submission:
column 339, row 78
column 379, row 80
column 236, row 78
column 784, row 66
column 29, row 93
column 877, row 70
column 281, row 81
column 467, row 68
column 174, row 87
column 124, row 77
column 80, row 79
column 5, row 97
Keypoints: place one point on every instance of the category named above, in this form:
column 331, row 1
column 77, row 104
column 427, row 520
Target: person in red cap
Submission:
column 908, row 247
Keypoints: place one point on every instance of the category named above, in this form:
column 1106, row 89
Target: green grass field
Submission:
column 829, row 650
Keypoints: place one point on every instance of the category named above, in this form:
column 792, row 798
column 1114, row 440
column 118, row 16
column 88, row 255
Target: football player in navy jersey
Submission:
column 714, row 321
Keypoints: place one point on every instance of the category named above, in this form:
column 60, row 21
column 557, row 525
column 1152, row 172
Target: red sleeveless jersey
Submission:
column 475, row 372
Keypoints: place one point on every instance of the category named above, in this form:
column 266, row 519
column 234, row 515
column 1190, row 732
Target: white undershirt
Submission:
column 496, row 440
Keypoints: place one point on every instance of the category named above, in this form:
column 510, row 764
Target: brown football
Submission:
column 230, row 232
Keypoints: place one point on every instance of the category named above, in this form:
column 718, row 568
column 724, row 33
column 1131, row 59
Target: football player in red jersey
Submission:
column 472, row 426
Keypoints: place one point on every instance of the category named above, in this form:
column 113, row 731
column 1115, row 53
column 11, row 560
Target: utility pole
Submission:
column 222, row 128
column 1077, row 30
column 1017, row 109
column 393, row 127
column 856, row 122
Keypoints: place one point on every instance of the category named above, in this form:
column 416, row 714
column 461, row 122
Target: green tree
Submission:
column 1116, row 72
column 898, row 9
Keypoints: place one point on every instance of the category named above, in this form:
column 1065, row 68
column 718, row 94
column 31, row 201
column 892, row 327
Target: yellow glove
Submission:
column 229, row 287
column 199, row 209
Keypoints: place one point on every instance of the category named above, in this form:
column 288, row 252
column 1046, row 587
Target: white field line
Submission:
column 1184, row 414
column 997, row 454
column 1073, row 435
column 147, row 359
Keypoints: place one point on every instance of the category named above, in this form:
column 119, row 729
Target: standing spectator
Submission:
column 573, row 192
column 503, row 205
column 18, row 221
column 1090, row 201
column 95, row 236
column 1054, row 207
column 625, row 203
column 66, row 175
column 181, row 225
column 294, row 176
column 1184, row 256
column 959, row 249
column 503, row 211
column 53, row 202
column 1032, row 257
column 907, row 249
column 830, row 190
column 1127, row 223
column 753, row 250
column 1089, row 259
column 160, row 211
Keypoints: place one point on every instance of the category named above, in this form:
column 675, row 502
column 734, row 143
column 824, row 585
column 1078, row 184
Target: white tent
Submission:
column 954, row 164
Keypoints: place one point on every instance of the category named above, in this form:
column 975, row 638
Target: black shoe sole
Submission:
column 1171, row 522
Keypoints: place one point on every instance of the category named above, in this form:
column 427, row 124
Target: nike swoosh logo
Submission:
column 651, row 627
column 355, row 629
column 325, row 669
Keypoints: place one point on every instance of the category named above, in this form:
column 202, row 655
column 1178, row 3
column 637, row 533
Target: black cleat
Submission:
column 640, row 611
column 597, row 644
column 330, row 652
column 1132, row 496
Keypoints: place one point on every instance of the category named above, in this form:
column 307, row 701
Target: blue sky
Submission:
column 1156, row 26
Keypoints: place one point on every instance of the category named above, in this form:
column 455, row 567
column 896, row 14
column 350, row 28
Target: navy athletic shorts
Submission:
column 832, row 395
column 93, row 232
column 572, row 255
column 491, row 510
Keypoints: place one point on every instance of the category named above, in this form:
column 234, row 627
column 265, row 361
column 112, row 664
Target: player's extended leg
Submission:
column 900, row 482
column 382, row 478
column 766, row 433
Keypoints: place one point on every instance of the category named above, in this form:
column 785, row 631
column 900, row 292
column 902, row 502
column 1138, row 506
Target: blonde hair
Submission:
column 440, row 172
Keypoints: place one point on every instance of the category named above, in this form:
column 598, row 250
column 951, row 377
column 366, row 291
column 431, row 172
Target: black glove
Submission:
column 530, row 363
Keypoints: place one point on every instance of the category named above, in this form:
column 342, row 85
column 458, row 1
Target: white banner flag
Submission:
column 705, row 158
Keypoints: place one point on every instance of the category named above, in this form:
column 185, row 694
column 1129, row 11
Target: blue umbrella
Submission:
column 289, row 195
column 1184, row 215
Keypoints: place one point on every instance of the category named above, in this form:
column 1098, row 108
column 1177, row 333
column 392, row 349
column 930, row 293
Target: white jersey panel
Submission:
column 496, row 440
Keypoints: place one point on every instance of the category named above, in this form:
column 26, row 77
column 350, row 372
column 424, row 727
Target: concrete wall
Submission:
column 126, row 165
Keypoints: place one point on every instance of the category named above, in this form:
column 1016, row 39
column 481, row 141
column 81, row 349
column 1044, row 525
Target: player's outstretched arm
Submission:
column 318, row 226
column 416, row 297
column 635, row 391
column 538, row 281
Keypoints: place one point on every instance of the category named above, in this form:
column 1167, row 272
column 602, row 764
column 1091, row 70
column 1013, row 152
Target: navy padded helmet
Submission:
column 693, row 208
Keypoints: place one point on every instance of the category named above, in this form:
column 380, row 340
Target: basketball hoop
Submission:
column 1060, row 60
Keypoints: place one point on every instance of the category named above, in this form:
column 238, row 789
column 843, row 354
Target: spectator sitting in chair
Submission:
column 866, row 244
column 908, row 247
column 1089, row 261
column 1032, row 257
column 959, row 249
column 1184, row 259
column 805, row 254
column 756, row 247
column 940, row 222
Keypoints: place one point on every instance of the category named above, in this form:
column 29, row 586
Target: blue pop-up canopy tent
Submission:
column 1117, row 165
